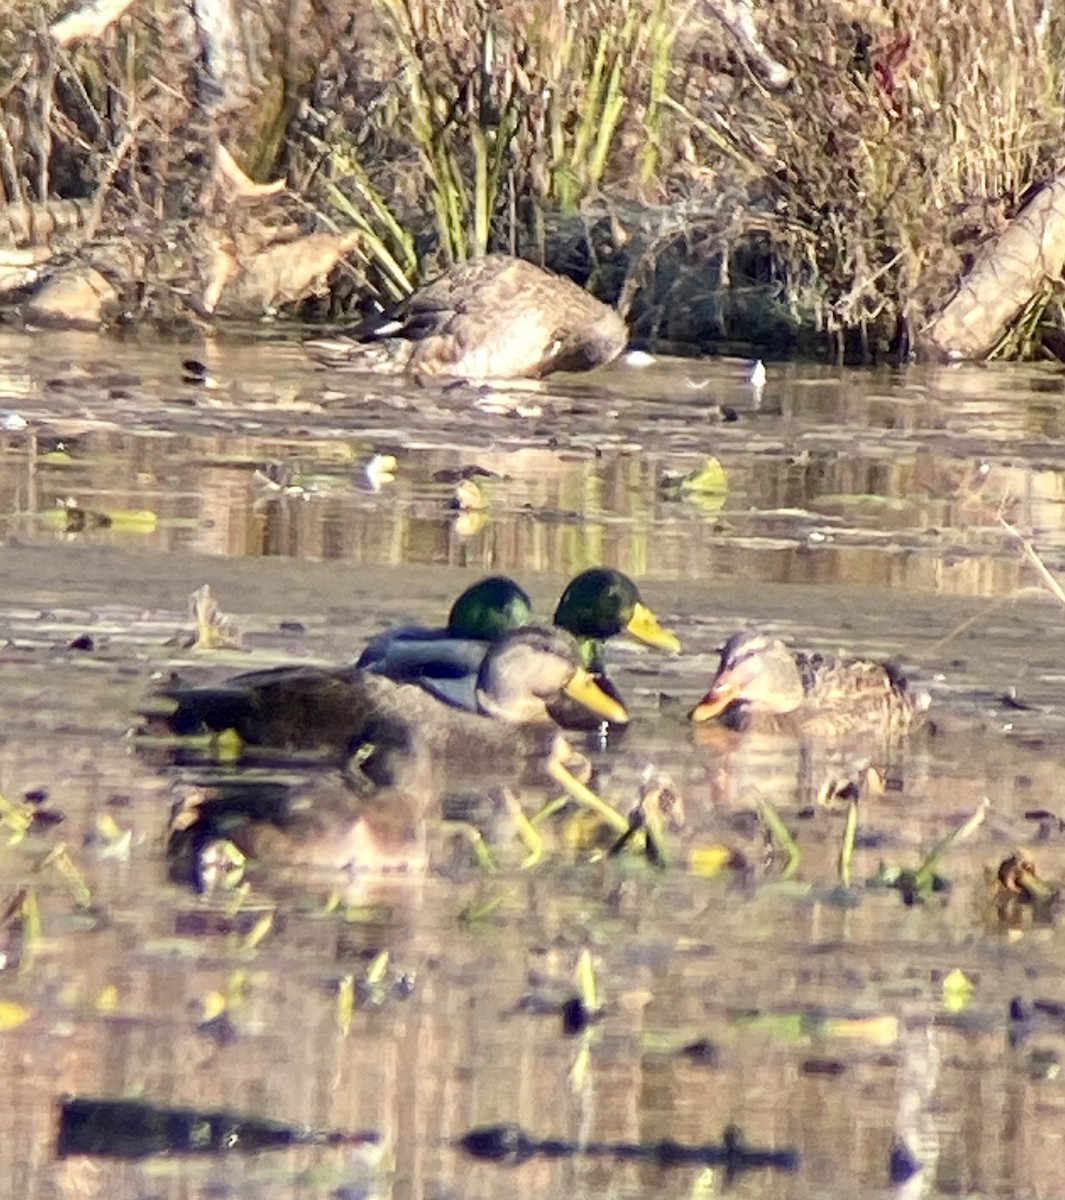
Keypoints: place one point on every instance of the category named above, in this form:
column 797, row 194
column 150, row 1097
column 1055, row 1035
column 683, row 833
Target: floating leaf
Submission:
column 59, row 860
column 214, row 630
column 880, row 1031
column 106, row 999
column 214, row 1005
column 127, row 520
column 12, row 1015
column 228, row 746
column 258, row 931
column 957, row 991
column 345, row 1002
column 709, row 479
column 707, row 861
column 16, row 816
column 379, row 470
column 376, row 972
column 586, row 981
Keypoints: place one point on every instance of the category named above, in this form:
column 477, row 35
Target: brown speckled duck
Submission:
column 495, row 318
column 760, row 684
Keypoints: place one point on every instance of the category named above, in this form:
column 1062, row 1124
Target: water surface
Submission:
column 863, row 511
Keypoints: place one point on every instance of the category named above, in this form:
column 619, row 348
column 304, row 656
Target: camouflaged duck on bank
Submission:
column 762, row 685
column 496, row 318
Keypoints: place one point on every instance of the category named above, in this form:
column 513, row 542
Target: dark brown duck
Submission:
column 337, row 711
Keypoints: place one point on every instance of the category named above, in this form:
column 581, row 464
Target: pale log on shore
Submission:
column 88, row 21
column 1009, row 272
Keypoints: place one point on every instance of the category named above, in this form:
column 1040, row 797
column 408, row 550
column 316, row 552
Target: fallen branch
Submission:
column 1030, row 553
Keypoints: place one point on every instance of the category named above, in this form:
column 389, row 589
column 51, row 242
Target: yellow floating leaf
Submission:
column 880, row 1031
column 106, row 999
column 578, row 1075
column 228, row 746
column 957, row 991
column 140, row 520
column 378, row 967
column 709, row 479
column 12, row 1015
column 345, row 1002
column 259, row 930
column 214, row 1005
column 709, row 860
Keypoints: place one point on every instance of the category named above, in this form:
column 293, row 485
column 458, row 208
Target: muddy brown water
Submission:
column 862, row 512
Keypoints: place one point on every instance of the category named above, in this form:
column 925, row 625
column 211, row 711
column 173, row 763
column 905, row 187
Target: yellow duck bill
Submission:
column 583, row 688
column 646, row 627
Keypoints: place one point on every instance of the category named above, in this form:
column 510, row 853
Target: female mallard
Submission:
column 597, row 604
column 761, row 684
column 495, row 318
column 339, row 711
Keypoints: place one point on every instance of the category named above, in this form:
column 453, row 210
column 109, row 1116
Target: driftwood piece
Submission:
column 43, row 224
column 75, row 297
column 1008, row 273
column 88, row 21
column 282, row 273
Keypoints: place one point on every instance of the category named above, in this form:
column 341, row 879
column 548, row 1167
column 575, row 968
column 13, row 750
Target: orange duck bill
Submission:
column 716, row 700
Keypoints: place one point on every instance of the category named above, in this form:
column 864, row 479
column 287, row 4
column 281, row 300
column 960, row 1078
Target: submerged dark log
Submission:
column 137, row 1129
column 509, row 1143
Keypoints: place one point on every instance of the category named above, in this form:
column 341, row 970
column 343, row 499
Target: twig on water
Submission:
column 1032, row 555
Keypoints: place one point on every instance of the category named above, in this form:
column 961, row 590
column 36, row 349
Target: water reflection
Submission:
column 861, row 511
column 920, row 521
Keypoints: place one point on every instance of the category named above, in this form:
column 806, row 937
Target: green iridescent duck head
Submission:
column 488, row 609
column 600, row 603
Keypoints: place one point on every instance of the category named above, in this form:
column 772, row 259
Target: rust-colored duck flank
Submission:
column 496, row 318
column 761, row 684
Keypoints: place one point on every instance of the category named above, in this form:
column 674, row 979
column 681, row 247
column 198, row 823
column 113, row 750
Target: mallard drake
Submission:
column 446, row 660
column 597, row 604
column 761, row 684
column 495, row 318
column 335, row 711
